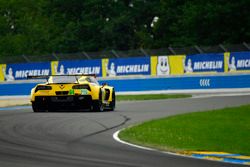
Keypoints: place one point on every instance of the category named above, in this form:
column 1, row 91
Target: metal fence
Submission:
column 130, row 53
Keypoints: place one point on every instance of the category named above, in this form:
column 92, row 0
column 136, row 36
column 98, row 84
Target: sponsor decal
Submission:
column 128, row 66
column 84, row 91
column 163, row 67
column 167, row 65
column 61, row 86
column 203, row 63
column 71, row 92
column 237, row 61
column 13, row 72
column 77, row 67
column 25, row 73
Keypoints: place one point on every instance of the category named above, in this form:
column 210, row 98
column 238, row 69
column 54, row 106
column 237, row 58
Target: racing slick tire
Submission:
column 97, row 104
column 35, row 108
column 113, row 102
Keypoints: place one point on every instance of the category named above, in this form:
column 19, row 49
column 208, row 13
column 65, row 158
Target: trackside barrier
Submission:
column 158, row 65
column 152, row 84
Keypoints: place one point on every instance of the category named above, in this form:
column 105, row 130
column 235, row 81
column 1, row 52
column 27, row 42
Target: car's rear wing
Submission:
column 37, row 77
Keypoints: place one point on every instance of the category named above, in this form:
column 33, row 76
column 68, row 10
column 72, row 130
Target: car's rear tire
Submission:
column 113, row 102
column 97, row 104
column 50, row 110
column 35, row 108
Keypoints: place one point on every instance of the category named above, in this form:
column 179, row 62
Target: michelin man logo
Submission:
column 111, row 72
column 61, row 71
column 232, row 66
column 187, row 66
column 163, row 66
column 9, row 76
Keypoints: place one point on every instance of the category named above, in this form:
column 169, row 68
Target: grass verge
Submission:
column 225, row 130
column 150, row 97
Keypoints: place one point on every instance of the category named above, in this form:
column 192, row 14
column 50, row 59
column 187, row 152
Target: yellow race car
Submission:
column 71, row 93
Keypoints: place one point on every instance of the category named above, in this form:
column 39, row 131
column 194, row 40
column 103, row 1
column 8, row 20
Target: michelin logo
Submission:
column 189, row 66
column 126, row 69
column 208, row 65
column 25, row 73
column 163, row 66
column 111, row 72
column 133, row 68
column 60, row 71
column 77, row 70
column 8, row 76
column 240, row 63
column 84, row 70
column 243, row 63
column 231, row 65
column 11, row 75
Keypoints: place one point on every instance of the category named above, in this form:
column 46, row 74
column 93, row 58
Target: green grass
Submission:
column 220, row 130
column 150, row 97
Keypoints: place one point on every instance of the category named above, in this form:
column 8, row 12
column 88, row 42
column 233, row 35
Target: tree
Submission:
column 42, row 27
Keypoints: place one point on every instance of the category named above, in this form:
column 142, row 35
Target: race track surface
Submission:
column 74, row 139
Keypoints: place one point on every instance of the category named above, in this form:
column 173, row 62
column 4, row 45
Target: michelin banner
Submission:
column 126, row 66
column 77, row 67
column 166, row 65
column 237, row 62
column 204, row 63
column 11, row 72
column 187, row 64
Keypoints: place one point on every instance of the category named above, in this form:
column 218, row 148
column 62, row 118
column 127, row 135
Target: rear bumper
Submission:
column 63, row 103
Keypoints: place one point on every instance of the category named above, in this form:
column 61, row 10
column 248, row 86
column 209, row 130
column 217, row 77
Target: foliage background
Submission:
column 36, row 27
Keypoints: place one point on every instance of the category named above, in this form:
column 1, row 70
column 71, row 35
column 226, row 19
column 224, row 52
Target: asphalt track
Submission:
column 74, row 139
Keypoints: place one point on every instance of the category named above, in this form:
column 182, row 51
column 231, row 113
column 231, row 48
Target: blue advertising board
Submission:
column 127, row 66
column 239, row 61
column 204, row 63
column 77, row 67
column 152, row 84
column 13, row 72
column 172, row 65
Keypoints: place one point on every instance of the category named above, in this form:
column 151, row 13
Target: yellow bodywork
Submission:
column 66, row 89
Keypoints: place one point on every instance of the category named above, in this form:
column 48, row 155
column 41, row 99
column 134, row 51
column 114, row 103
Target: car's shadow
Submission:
column 75, row 111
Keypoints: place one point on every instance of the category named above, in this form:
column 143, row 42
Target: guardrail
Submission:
column 180, row 84
column 106, row 53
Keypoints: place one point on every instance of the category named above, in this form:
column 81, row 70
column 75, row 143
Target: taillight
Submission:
column 41, row 87
column 81, row 87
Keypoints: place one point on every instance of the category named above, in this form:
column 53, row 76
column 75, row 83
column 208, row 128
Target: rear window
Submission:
column 63, row 79
column 90, row 79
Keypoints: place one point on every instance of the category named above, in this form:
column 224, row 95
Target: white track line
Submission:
column 231, row 92
column 15, row 97
column 220, row 95
column 188, row 91
column 116, row 138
